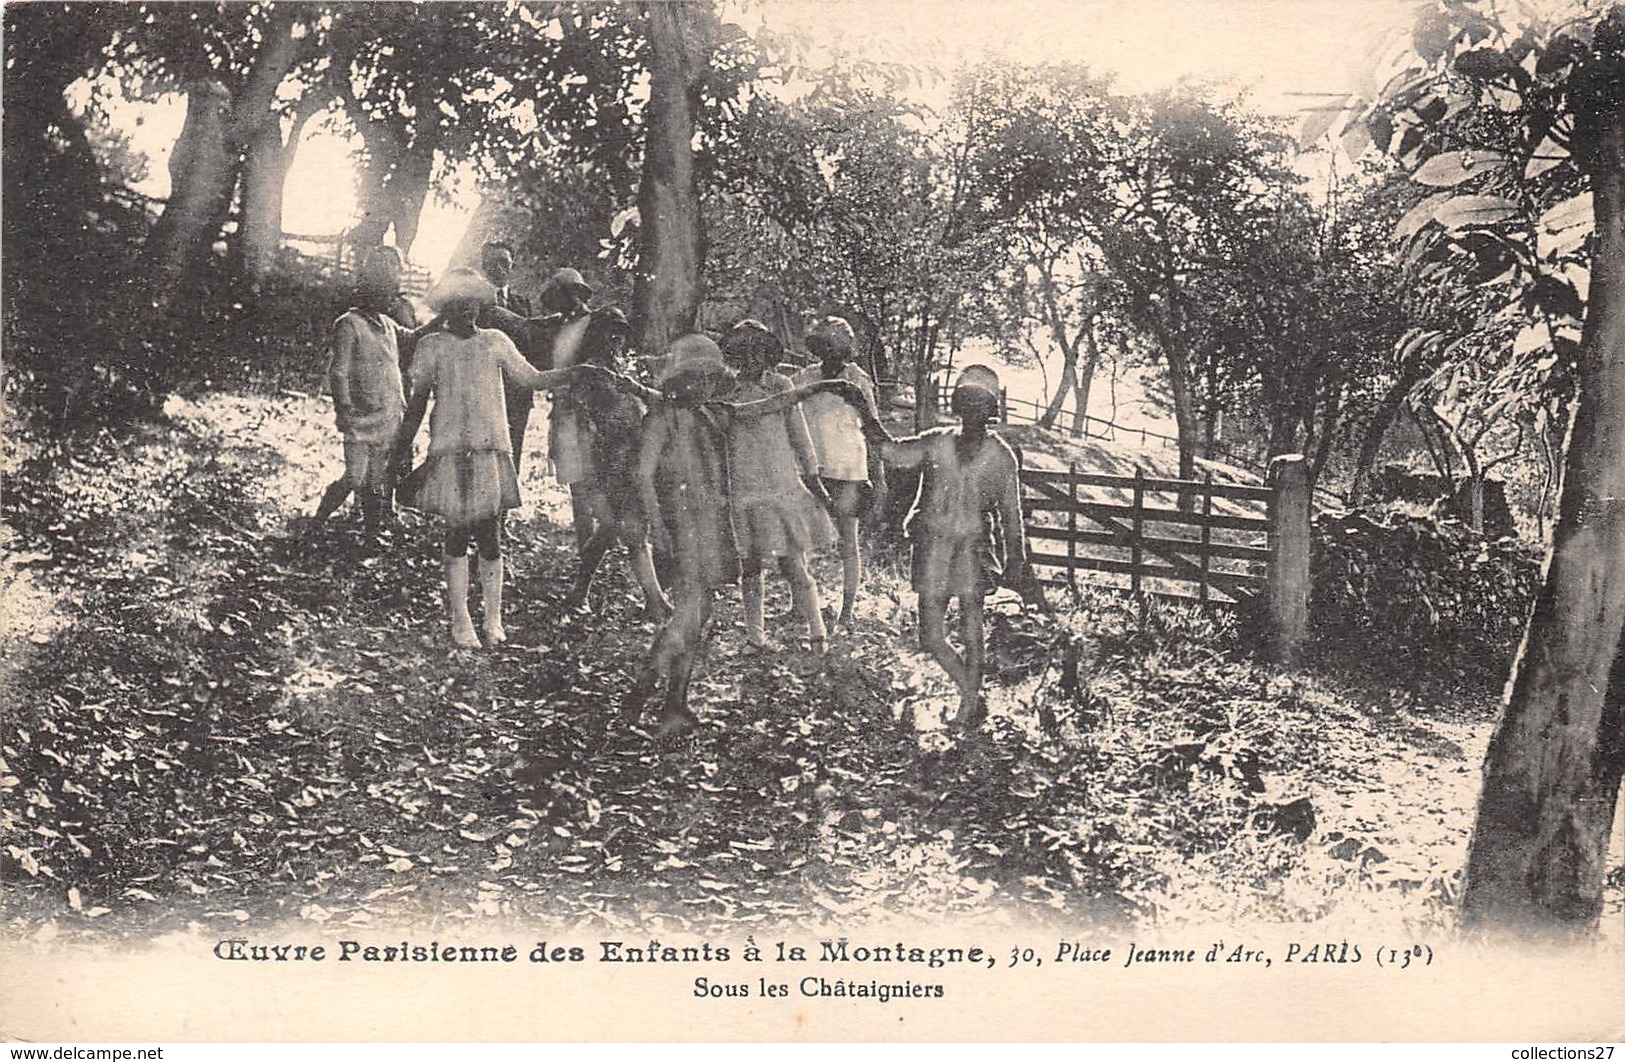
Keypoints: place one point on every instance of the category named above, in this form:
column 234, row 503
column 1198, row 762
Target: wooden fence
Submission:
column 1027, row 411
column 343, row 258
column 1236, row 543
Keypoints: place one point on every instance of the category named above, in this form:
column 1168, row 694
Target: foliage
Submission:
column 1410, row 595
column 1489, row 117
column 240, row 745
column 846, row 199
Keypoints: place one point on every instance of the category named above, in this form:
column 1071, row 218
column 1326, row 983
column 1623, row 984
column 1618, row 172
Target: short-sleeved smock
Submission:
column 684, row 450
column 364, row 377
column 469, row 475
column 836, row 428
column 774, row 515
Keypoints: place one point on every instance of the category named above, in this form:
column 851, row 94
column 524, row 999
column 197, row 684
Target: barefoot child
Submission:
column 682, row 480
column 469, row 475
column 777, row 499
column 967, row 476
column 611, row 423
column 837, row 437
column 364, row 376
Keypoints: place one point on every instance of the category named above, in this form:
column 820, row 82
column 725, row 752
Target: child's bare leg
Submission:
column 664, row 651
column 972, row 710
column 934, row 638
column 851, row 568
column 655, row 602
column 751, row 589
column 332, row 498
column 642, row 687
column 456, row 565
column 846, row 525
column 592, row 555
column 804, row 592
column 693, row 612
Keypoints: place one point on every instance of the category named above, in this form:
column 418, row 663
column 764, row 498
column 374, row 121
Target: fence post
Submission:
column 1136, row 551
column 1072, row 527
column 1004, row 405
column 1207, row 533
column 1288, row 588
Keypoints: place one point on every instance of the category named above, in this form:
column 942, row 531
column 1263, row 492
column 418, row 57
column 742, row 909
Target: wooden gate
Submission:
column 1130, row 532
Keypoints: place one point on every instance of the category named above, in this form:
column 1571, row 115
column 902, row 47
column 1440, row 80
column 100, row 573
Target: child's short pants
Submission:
column 366, row 465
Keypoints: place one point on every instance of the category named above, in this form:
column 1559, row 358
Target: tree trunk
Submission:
column 1552, row 775
column 411, row 188
column 209, row 153
column 1387, row 411
column 1185, row 417
column 1068, row 381
column 259, row 234
column 484, row 224
column 671, row 239
column 377, row 210
column 202, row 172
column 266, row 164
column 1083, row 380
column 925, row 397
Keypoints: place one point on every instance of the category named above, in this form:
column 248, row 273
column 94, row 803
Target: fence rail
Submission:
column 344, row 258
column 1128, row 530
column 1028, row 411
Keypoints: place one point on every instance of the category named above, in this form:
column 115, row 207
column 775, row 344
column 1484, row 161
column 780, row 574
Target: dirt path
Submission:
column 220, row 722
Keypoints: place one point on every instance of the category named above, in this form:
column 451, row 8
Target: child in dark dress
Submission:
column 682, row 478
column 968, row 476
column 611, row 424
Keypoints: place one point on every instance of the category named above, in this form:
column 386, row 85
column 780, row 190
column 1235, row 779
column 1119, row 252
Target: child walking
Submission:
column 608, row 489
column 469, row 475
column 970, row 480
column 682, row 480
column 364, row 375
column 777, row 499
column 843, row 458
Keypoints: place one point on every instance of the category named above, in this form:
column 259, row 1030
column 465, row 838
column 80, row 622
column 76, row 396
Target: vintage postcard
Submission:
column 811, row 521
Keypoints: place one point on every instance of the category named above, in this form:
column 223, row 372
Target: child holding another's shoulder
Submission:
column 469, row 475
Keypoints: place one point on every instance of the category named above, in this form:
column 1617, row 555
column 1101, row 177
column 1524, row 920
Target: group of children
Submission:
column 720, row 470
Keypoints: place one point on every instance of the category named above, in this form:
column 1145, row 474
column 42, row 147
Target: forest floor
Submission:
column 219, row 717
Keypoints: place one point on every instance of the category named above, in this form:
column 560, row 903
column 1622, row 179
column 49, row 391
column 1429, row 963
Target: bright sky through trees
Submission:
column 1276, row 55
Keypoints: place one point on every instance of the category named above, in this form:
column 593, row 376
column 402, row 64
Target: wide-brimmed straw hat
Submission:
column 694, row 352
column 980, row 377
column 572, row 280
column 833, row 333
column 461, row 285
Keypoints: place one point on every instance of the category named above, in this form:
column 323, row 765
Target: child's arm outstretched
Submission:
column 517, row 371
column 652, row 448
column 906, row 452
column 784, row 400
column 622, row 383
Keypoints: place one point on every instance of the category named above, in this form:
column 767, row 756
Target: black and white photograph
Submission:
column 816, row 520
